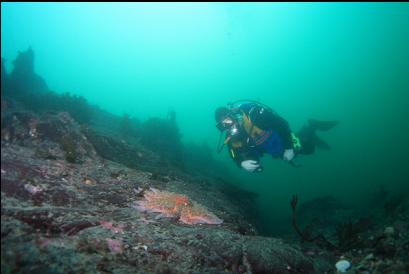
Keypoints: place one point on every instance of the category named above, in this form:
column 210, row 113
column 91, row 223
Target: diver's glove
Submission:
column 250, row 165
column 288, row 154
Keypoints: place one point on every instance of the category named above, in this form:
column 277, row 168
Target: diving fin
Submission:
column 322, row 125
column 321, row 143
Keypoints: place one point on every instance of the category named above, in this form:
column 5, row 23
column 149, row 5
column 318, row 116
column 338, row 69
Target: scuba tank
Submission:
column 241, row 101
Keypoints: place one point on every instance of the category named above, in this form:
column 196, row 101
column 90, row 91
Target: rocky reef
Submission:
column 60, row 216
column 85, row 191
column 69, row 187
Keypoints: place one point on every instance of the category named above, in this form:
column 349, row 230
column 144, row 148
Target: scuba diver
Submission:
column 253, row 128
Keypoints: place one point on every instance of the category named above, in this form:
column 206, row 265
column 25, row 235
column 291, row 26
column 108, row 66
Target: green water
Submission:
column 327, row 61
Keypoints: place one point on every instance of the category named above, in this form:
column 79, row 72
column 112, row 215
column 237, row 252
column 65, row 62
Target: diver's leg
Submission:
column 321, row 143
column 322, row 125
column 307, row 137
column 309, row 140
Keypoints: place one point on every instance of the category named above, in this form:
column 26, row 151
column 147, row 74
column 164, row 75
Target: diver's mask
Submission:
column 225, row 124
column 233, row 131
column 228, row 125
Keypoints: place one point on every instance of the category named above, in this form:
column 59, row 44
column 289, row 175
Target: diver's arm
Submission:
column 283, row 129
column 236, row 155
column 245, row 159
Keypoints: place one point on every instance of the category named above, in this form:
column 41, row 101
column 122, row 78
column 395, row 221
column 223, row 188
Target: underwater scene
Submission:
column 205, row 138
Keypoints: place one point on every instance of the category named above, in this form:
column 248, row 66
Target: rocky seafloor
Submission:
column 65, row 209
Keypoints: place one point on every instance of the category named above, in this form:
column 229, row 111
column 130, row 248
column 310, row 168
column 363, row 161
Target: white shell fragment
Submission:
column 342, row 266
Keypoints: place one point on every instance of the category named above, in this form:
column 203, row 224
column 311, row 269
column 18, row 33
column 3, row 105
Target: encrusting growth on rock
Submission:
column 170, row 204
